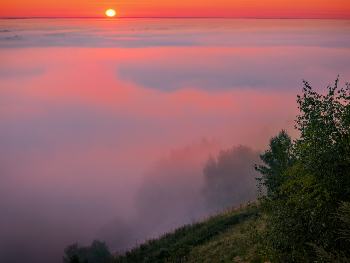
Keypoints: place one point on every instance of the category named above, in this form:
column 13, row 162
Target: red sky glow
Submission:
column 188, row 8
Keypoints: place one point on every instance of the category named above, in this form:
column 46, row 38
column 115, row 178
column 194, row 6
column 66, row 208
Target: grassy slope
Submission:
column 220, row 238
column 238, row 243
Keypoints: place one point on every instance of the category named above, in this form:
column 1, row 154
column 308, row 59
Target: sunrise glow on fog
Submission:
column 107, row 116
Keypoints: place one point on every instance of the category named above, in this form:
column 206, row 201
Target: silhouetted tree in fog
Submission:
column 98, row 252
column 75, row 259
column 230, row 179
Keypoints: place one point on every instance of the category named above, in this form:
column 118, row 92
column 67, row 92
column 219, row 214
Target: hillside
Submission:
column 225, row 237
column 303, row 196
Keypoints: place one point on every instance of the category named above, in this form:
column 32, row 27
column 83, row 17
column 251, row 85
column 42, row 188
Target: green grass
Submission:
column 219, row 238
column 238, row 243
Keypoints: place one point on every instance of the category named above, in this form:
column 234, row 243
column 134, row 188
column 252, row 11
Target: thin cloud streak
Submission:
column 130, row 33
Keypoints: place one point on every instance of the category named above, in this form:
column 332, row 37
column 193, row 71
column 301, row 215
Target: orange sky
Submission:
column 177, row 8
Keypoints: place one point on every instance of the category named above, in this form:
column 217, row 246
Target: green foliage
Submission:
column 180, row 254
column 307, row 180
column 324, row 147
column 278, row 159
column 98, row 252
column 343, row 214
column 238, row 244
column 176, row 246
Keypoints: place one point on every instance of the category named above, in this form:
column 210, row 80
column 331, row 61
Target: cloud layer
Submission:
column 88, row 108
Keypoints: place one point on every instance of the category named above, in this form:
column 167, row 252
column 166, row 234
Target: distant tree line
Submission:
column 98, row 252
column 230, row 179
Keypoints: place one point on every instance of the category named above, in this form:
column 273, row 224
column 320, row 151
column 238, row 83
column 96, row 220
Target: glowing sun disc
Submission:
column 110, row 12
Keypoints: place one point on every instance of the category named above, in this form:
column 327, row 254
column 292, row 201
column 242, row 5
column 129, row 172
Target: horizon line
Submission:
column 170, row 17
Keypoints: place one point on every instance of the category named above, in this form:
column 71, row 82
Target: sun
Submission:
column 110, row 12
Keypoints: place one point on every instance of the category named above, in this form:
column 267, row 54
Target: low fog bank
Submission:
column 168, row 196
column 182, row 188
column 44, row 211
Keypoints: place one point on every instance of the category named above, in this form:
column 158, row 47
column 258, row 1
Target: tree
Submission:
column 278, row 158
column 230, row 179
column 324, row 145
column 74, row 259
column 343, row 214
column 308, row 179
column 71, row 251
column 98, row 252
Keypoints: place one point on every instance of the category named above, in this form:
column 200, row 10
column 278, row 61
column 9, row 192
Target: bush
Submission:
column 308, row 179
